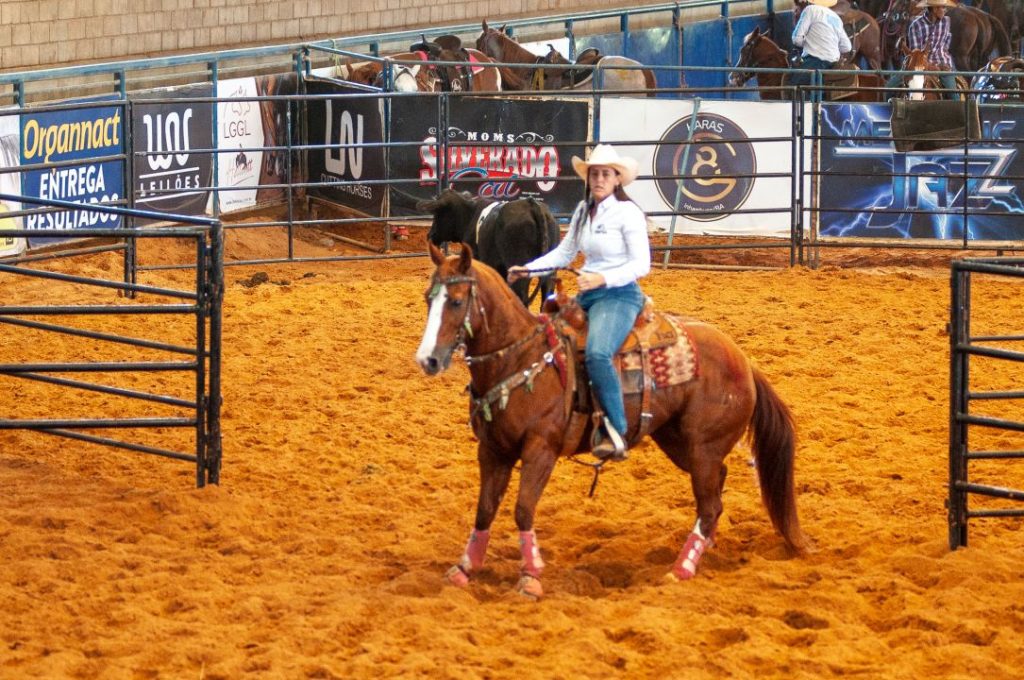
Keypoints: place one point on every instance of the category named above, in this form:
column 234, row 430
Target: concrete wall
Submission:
column 46, row 33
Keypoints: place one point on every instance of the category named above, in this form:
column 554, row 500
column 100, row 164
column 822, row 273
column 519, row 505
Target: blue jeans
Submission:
column 612, row 312
column 814, row 64
column 948, row 81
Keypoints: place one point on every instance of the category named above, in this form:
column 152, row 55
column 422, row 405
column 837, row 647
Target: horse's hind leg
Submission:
column 704, row 462
column 494, row 479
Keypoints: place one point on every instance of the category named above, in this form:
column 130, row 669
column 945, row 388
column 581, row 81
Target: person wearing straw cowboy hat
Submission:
column 931, row 32
column 820, row 33
column 611, row 232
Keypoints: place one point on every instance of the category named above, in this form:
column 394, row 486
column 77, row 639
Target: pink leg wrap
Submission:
column 685, row 567
column 472, row 558
column 532, row 563
column 476, row 549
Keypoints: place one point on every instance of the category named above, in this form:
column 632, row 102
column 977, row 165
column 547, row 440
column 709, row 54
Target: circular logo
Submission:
column 719, row 167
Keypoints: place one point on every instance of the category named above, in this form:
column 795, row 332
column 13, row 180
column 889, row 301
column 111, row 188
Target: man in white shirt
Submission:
column 820, row 33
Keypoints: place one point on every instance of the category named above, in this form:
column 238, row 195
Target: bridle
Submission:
column 465, row 328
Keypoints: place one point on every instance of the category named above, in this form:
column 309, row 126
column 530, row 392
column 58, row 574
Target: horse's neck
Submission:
column 506, row 321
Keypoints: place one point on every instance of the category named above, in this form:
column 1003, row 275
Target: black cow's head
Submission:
column 453, row 217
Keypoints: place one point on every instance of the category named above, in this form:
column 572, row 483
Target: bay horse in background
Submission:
column 760, row 51
column 617, row 72
column 501, row 234
column 522, row 369
column 863, row 31
column 976, row 36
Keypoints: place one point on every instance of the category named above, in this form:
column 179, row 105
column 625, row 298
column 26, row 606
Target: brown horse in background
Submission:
column 976, row 36
column 521, row 396
column 760, row 51
column 617, row 72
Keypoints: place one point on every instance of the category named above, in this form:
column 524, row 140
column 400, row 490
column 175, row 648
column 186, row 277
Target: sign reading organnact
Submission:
column 73, row 138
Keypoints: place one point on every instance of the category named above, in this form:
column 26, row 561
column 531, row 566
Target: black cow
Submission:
column 510, row 233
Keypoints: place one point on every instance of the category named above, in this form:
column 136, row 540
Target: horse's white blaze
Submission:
column 405, row 78
column 916, row 83
column 429, row 340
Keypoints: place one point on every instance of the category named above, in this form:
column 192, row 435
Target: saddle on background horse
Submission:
column 657, row 353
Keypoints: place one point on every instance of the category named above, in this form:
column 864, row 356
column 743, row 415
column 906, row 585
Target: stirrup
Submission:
column 611, row 446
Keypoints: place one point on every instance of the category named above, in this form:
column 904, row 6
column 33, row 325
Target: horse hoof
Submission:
column 681, row 574
column 530, row 587
column 457, row 577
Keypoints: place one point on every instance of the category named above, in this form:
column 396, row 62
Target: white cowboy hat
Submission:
column 823, row 3
column 603, row 154
column 924, row 4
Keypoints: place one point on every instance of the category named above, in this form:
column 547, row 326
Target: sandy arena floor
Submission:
column 349, row 486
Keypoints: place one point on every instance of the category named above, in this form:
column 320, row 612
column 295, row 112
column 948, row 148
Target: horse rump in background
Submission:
column 522, row 392
column 501, row 234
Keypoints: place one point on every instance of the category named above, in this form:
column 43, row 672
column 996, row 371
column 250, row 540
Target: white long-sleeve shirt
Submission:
column 614, row 243
column 820, row 32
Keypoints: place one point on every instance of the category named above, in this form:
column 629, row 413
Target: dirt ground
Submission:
column 349, row 484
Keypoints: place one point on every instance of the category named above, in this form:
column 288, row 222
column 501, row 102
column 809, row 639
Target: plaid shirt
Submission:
column 933, row 37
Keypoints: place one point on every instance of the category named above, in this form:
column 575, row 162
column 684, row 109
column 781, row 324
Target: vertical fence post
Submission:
column 959, row 364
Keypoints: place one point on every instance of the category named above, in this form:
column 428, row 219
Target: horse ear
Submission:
column 465, row 258
column 485, row 25
column 436, row 256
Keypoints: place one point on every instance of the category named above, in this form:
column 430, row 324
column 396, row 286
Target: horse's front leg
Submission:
column 538, row 462
column 494, row 477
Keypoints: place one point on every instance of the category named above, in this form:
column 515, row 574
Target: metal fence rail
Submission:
column 194, row 363
column 963, row 346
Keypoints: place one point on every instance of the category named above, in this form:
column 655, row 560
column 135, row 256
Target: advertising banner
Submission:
column 277, row 168
column 240, row 134
column 171, row 177
column 868, row 189
column 10, row 182
column 498, row 149
column 343, row 170
column 720, row 148
column 79, row 134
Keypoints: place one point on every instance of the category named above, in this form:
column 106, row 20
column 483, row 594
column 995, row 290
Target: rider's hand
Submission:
column 517, row 272
column 590, row 281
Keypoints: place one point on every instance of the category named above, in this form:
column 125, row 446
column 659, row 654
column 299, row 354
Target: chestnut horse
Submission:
column 519, row 411
column 617, row 72
column 920, row 84
column 760, row 51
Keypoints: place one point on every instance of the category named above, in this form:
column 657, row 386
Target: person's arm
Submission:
column 561, row 256
column 800, row 30
column 844, row 40
column 638, row 249
column 916, row 37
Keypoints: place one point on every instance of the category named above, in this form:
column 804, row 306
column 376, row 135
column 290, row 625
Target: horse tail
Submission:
column 773, row 440
column 548, row 226
column 1002, row 39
